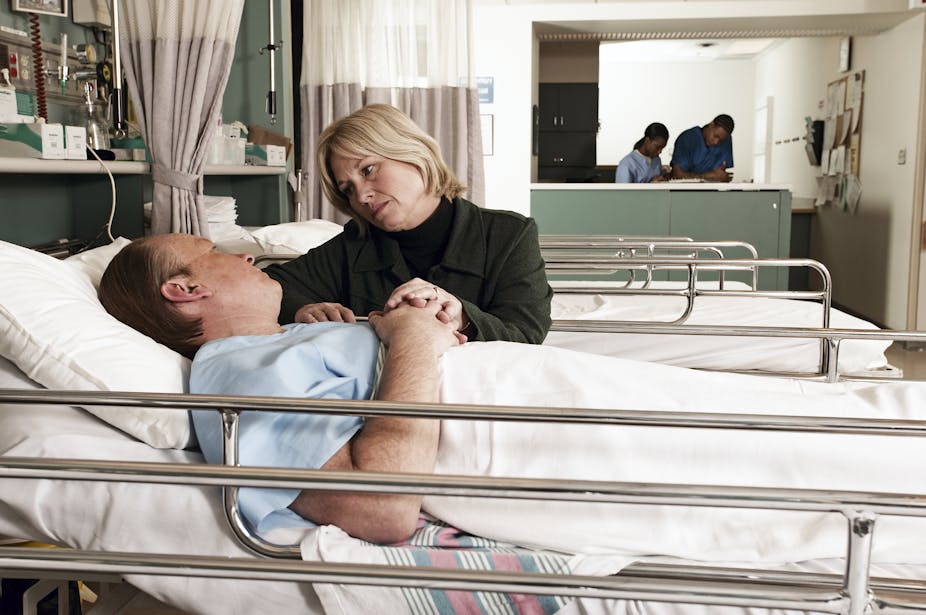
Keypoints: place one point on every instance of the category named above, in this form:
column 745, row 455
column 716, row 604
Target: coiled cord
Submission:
column 38, row 67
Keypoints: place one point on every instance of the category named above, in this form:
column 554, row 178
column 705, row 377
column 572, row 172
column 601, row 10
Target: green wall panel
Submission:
column 600, row 212
column 760, row 217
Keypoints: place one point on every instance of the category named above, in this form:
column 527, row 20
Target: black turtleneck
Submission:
column 423, row 246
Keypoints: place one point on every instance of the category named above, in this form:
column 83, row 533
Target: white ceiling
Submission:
column 683, row 50
column 880, row 15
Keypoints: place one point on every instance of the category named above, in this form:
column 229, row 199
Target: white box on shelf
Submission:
column 8, row 108
column 265, row 155
column 75, row 139
column 53, row 147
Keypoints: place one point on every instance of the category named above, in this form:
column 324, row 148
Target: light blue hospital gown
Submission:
column 322, row 360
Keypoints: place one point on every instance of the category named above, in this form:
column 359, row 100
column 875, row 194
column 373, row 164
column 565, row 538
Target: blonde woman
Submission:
column 413, row 238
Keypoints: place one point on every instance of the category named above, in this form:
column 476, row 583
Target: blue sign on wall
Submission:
column 486, row 88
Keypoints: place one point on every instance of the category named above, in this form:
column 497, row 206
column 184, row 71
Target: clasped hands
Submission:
column 416, row 293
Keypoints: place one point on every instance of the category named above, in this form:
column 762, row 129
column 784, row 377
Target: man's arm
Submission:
column 714, row 175
column 414, row 340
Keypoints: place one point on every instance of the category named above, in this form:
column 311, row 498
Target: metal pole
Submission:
column 118, row 96
column 861, row 529
column 272, row 94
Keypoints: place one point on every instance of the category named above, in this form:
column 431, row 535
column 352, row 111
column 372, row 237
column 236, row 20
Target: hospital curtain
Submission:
column 412, row 54
column 177, row 56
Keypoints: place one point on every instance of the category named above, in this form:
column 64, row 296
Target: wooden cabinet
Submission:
column 565, row 149
column 569, row 107
column 568, row 130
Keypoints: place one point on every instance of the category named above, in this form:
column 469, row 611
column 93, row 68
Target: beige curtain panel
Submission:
column 412, row 54
column 177, row 56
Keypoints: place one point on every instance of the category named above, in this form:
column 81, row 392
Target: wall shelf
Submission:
column 45, row 200
column 118, row 167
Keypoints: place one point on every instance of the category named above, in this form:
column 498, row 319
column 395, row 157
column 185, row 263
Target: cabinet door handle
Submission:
column 556, row 120
column 562, row 120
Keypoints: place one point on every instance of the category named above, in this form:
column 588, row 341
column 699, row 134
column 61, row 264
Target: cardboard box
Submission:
column 258, row 135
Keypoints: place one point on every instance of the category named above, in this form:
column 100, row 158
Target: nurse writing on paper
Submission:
column 705, row 152
column 643, row 164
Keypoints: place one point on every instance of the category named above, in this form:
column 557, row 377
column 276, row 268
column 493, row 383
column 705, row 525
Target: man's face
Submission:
column 714, row 135
column 233, row 279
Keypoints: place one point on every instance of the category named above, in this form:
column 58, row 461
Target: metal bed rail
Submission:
column 855, row 593
column 590, row 246
column 691, row 291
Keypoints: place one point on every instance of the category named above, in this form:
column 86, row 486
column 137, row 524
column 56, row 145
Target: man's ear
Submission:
column 180, row 289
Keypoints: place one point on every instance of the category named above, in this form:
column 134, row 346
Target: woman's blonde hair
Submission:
column 382, row 130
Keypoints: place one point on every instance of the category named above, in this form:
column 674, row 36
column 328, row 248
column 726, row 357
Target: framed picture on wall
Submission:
column 45, row 7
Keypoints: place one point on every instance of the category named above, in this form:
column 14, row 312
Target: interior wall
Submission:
column 249, row 80
column 798, row 88
column 569, row 62
column 678, row 94
column 868, row 251
column 506, row 49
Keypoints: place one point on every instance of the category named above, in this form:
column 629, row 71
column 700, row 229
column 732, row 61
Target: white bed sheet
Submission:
column 713, row 352
column 189, row 520
column 127, row 517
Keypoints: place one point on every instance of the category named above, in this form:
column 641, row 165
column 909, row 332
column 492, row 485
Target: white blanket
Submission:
column 504, row 373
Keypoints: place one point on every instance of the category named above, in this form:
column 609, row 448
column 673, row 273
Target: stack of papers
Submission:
column 222, row 216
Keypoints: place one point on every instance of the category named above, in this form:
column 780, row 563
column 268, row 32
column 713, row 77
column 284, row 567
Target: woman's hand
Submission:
column 324, row 312
column 418, row 293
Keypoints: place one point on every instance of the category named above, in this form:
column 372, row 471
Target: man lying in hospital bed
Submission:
column 497, row 373
column 247, row 352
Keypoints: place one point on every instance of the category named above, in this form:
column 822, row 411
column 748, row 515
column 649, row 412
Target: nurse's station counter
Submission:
column 759, row 214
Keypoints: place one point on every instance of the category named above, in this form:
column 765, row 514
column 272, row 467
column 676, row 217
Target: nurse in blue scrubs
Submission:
column 643, row 164
column 705, row 152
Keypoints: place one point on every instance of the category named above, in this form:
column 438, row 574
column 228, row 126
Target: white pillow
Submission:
column 93, row 262
column 53, row 327
column 295, row 237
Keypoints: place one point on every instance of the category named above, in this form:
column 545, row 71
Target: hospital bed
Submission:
column 699, row 295
column 171, row 539
column 161, row 519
